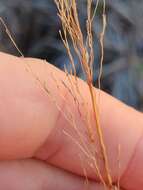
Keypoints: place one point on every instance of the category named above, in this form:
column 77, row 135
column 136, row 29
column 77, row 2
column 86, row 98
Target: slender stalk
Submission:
column 10, row 36
column 68, row 13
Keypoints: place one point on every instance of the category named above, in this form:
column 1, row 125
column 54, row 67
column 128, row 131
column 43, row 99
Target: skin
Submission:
column 33, row 146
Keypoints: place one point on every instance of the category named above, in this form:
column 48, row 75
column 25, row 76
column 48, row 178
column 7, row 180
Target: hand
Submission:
column 35, row 154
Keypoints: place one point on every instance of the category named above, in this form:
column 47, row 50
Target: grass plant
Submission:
column 83, row 46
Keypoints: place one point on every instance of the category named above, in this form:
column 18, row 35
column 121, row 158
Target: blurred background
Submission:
column 35, row 26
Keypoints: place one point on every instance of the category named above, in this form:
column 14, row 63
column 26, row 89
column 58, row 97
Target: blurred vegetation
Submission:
column 35, row 26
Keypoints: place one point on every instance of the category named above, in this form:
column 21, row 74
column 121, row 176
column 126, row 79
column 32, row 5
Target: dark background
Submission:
column 35, row 27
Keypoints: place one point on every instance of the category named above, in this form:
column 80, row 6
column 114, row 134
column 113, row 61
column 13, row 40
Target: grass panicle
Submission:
column 83, row 47
column 68, row 13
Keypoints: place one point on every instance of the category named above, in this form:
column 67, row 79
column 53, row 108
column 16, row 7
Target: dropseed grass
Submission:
column 68, row 13
column 83, row 47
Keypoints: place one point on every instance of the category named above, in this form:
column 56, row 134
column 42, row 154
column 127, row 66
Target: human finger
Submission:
column 36, row 175
column 36, row 125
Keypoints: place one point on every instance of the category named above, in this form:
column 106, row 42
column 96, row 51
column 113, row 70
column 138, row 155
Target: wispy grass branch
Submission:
column 68, row 13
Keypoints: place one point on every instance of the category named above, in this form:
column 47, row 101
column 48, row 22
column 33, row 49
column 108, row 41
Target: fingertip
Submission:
column 27, row 113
